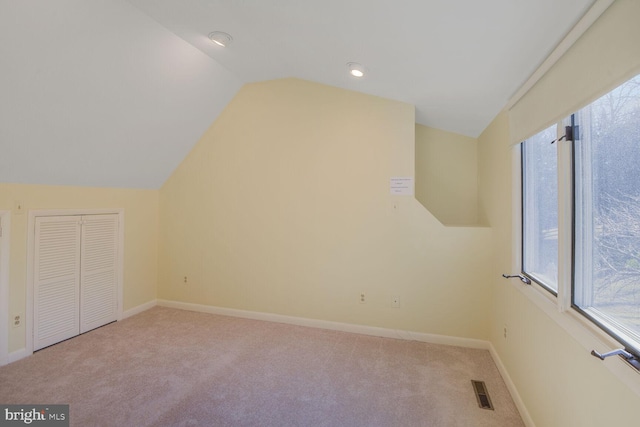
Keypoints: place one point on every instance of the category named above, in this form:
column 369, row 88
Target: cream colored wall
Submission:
column 140, row 245
column 284, row 207
column 561, row 384
column 447, row 175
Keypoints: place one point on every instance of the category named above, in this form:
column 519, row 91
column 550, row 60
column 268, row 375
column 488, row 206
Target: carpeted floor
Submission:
column 168, row 367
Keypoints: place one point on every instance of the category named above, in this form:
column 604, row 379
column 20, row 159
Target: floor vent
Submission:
column 484, row 401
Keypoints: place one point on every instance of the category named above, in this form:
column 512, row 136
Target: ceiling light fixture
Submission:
column 220, row 38
column 355, row 69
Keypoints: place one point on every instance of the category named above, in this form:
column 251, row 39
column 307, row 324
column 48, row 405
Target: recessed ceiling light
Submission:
column 220, row 38
column 355, row 69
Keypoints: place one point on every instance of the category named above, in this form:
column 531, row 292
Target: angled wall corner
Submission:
column 284, row 207
column 447, row 175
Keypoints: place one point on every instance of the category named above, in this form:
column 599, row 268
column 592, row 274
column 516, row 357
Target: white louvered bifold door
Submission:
column 56, row 280
column 98, row 271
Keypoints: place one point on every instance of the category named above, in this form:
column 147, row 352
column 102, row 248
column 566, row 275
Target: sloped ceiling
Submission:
column 96, row 93
column 115, row 93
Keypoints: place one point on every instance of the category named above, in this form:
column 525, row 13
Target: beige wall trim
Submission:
column 337, row 326
column 22, row 353
column 14, row 356
column 325, row 324
column 524, row 413
column 5, row 222
column 139, row 309
column 576, row 32
column 367, row 330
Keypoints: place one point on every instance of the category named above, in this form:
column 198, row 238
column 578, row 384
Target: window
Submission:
column 607, row 213
column 604, row 224
column 540, row 209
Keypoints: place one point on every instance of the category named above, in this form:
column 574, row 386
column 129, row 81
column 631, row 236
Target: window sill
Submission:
column 588, row 335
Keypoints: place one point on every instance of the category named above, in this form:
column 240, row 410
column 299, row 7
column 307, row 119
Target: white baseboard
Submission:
column 335, row 326
column 139, row 309
column 524, row 413
column 22, row 353
column 367, row 330
column 14, row 356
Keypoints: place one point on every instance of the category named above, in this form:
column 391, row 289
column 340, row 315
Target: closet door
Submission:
column 98, row 271
column 56, row 279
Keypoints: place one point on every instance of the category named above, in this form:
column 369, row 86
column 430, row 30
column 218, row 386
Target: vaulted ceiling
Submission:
column 116, row 93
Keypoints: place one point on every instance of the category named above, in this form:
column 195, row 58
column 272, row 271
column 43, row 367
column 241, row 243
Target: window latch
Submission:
column 522, row 278
column 622, row 352
column 568, row 134
column 631, row 359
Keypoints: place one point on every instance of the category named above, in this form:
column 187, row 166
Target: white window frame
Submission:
column 565, row 217
column 562, row 224
column 559, row 309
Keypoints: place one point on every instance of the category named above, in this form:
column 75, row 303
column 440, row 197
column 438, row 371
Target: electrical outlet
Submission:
column 17, row 320
column 504, row 331
column 395, row 301
column 185, row 280
column 362, row 298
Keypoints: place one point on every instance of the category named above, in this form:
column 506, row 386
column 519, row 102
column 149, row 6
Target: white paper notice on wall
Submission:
column 401, row 185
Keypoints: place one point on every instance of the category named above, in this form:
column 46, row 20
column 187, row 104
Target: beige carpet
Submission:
column 168, row 367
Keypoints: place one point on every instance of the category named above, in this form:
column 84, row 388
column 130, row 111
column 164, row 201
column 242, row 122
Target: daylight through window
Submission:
column 605, row 222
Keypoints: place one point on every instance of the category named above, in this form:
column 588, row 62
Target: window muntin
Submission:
column 540, row 209
column 606, row 286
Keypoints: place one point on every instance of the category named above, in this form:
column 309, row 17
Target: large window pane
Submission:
column 607, row 212
column 540, row 208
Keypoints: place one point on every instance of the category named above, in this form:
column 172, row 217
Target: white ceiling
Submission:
column 96, row 93
column 457, row 61
column 115, row 93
